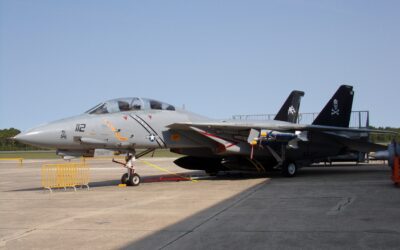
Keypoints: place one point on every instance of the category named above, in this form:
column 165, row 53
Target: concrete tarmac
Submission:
column 339, row 207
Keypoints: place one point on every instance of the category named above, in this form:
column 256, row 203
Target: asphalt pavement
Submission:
column 338, row 207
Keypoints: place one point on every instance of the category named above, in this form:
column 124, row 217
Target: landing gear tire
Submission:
column 134, row 180
column 289, row 169
column 124, row 178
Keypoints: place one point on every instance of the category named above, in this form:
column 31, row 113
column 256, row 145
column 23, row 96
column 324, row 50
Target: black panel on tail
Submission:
column 338, row 110
column 290, row 109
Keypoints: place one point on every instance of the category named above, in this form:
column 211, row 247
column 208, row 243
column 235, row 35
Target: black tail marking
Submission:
column 290, row 110
column 338, row 110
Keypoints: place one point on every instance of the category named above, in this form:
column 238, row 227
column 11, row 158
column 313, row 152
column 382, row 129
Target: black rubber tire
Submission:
column 134, row 180
column 289, row 169
column 124, row 178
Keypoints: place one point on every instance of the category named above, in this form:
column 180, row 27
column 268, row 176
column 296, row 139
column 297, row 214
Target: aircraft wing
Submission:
column 357, row 145
column 237, row 136
column 282, row 127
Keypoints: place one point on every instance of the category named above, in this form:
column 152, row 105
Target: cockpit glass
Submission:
column 155, row 104
column 128, row 104
column 100, row 109
column 123, row 106
column 166, row 106
column 92, row 110
column 136, row 104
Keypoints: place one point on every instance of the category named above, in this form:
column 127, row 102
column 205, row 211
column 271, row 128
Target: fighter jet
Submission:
column 128, row 124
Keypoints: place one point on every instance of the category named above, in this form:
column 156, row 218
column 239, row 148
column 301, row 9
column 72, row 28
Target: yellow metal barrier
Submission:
column 20, row 160
column 65, row 175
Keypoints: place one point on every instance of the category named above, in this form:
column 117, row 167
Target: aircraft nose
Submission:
column 28, row 137
column 36, row 137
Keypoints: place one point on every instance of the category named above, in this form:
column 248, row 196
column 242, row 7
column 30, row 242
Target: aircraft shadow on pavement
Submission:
column 158, row 178
column 238, row 222
column 306, row 172
column 189, row 176
column 166, row 237
column 148, row 179
column 26, row 189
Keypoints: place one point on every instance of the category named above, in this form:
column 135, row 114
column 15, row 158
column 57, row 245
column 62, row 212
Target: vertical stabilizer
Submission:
column 338, row 110
column 290, row 109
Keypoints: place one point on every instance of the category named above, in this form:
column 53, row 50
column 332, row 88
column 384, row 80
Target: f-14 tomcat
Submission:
column 128, row 124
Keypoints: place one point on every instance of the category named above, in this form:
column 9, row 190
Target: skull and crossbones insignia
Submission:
column 335, row 110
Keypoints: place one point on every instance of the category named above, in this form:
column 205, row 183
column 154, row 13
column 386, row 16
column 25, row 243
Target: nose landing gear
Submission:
column 130, row 179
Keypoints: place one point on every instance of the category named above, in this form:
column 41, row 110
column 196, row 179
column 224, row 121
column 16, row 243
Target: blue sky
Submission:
column 219, row 58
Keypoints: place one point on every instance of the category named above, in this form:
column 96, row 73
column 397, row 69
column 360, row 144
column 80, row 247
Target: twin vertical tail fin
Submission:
column 290, row 110
column 338, row 110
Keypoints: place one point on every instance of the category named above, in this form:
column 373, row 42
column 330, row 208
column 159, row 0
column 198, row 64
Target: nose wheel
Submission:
column 131, row 179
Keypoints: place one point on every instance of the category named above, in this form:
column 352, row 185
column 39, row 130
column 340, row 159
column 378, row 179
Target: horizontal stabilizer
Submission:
column 358, row 145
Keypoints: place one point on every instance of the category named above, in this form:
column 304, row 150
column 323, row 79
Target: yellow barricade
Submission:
column 65, row 175
column 20, row 160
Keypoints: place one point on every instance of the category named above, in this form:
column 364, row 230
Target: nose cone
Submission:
column 41, row 137
column 22, row 137
column 32, row 137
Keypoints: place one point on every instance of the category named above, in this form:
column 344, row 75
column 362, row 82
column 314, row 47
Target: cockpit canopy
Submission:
column 128, row 104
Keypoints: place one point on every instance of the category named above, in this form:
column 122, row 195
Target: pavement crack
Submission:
column 16, row 236
column 341, row 206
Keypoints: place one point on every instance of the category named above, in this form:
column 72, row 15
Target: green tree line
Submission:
column 385, row 138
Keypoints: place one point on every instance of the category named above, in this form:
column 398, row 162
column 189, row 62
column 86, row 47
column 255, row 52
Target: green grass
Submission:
column 52, row 154
column 30, row 154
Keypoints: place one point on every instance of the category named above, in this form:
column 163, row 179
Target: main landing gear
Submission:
column 289, row 169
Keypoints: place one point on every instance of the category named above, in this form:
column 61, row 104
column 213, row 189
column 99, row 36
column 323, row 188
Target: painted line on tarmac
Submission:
column 167, row 171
